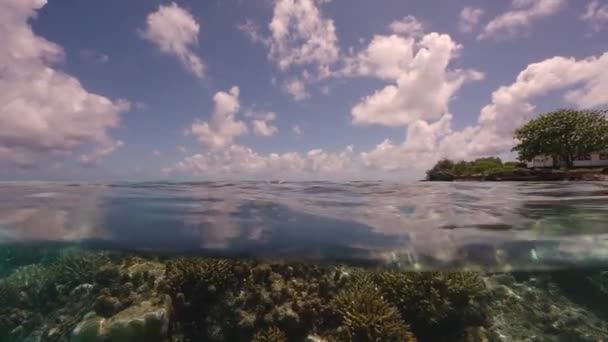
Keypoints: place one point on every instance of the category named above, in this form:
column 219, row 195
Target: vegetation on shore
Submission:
column 564, row 135
column 477, row 167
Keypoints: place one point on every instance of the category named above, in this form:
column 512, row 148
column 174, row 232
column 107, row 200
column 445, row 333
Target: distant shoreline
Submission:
column 538, row 175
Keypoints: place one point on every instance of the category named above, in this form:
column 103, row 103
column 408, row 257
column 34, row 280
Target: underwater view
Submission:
column 304, row 261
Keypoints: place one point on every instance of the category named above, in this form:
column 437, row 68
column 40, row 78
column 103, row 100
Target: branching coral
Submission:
column 199, row 275
column 433, row 301
column 75, row 267
column 366, row 316
column 272, row 334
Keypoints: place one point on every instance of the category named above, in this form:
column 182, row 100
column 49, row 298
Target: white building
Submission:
column 588, row 160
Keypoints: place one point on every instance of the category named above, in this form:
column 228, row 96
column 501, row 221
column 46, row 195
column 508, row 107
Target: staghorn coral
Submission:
column 196, row 284
column 272, row 334
column 434, row 302
column 75, row 267
column 24, row 287
column 365, row 316
column 200, row 276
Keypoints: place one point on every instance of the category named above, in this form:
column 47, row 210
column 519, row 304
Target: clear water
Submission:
column 489, row 226
column 539, row 249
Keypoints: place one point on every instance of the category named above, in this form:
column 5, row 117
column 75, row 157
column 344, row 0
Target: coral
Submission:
column 272, row 334
column 196, row 284
column 199, row 276
column 434, row 302
column 144, row 321
column 24, row 287
column 9, row 294
column 75, row 267
column 365, row 316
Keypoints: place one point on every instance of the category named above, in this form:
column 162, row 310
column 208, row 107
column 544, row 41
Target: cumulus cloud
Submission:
column 301, row 35
column 43, row 111
column 296, row 88
column 423, row 84
column 238, row 161
column 223, row 127
column 417, row 152
column 175, row 32
column 469, row 17
column 299, row 38
column 596, row 15
column 519, row 18
column 408, row 25
column 100, row 152
column 261, row 126
column 511, row 105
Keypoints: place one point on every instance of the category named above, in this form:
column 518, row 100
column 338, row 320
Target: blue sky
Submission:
column 302, row 89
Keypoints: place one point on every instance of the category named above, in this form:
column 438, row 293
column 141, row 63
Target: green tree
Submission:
column 563, row 134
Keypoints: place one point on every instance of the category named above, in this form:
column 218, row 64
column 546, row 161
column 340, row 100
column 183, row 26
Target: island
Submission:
column 565, row 144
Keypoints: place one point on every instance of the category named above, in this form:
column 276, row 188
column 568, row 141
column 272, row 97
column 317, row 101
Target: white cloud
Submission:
column 299, row 38
column 519, row 18
column 408, row 25
column 175, row 31
column 252, row 30
column 417, row 153
column 261, row 126
column 100, row 152
column 301, row 35
column 296, row 88
column 157, row 153
column 596, row 15
column 584, row 82
column 242, row 162
column 223, row 127
column 182, row 149
column 45, row 112
column 469, row 17
column 423, row 83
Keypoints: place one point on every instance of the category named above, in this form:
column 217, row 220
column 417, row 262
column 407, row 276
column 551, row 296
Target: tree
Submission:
column 564, row 135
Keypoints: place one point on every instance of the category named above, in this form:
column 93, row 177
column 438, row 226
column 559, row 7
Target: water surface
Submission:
column 490, row 226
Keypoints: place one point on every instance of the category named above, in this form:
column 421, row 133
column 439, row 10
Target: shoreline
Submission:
column 524, row 176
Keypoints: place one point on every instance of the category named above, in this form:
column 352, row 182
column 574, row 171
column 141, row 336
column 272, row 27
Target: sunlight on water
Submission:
column 501, row 226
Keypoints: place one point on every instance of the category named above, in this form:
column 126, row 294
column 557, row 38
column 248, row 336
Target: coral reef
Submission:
column 536, row 308
column 435, row 303
column 74, row 267
column 365, row 316
column 269, row 335
column 87, row 296
column 146, row 321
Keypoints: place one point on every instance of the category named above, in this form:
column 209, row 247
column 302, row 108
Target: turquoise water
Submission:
column 295, row 261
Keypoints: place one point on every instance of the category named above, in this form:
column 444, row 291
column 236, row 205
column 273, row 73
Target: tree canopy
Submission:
column 564, row 135
column 480, row 166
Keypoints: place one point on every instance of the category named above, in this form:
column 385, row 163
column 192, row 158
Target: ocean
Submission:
column 304, row 261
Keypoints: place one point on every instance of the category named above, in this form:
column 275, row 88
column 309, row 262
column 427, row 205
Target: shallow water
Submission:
column 304, row 261
column 488, row 226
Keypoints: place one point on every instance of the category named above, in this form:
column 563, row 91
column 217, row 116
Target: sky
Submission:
column 284, row 89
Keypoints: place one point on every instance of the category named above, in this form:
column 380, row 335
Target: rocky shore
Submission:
column 85, row 296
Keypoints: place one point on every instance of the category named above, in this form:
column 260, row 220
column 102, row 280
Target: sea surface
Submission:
column 499, row 226
column 303, row 261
